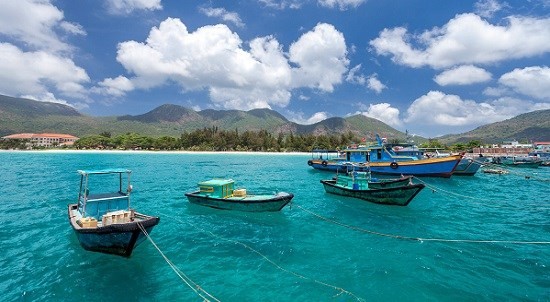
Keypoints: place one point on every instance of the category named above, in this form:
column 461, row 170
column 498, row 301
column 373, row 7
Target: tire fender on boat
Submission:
column 309, row 162
column 394, row 165
column 324, row 163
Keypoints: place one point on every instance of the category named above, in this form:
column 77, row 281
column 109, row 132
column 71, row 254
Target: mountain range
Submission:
column 19, row 115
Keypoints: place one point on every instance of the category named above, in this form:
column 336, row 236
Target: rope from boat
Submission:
column 420, row 239
column 434, row 189
column 338, row 288
column 194, row 286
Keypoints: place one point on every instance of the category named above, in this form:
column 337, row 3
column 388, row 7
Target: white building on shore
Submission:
column 44, row 139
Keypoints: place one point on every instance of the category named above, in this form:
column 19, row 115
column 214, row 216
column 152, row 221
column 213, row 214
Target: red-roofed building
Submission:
column 45, row 139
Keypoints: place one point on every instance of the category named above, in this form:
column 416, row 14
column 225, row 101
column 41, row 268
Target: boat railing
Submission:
column 96, row 205
column 326, row 154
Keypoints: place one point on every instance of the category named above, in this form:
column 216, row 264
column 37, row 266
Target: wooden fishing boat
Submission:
column 518, row 161
column 376, row 183
column 357, row 185
column 222, row 194
column 379, row 159
column 104, row 221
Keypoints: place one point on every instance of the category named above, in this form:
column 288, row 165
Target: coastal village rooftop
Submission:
column 45, row 139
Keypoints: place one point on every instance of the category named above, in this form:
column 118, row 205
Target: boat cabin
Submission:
column 325, row 154
column 376, row 153
column 354, row 180
column 106, row 199
column 220, row 188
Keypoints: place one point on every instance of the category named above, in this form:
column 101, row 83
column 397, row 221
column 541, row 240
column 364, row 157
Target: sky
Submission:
column 429, row 67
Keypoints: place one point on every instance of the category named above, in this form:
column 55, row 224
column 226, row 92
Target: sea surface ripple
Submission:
column 479, row 238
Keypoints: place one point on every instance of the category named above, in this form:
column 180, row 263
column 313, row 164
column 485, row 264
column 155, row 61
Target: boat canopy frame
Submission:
column 84, row 197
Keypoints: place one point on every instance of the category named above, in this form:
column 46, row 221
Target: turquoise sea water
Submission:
column 311, row 251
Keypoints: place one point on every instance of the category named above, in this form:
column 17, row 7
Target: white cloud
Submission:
column 35, row 24
column 223, row 14
column 496, row 91
column 46, row 97
column 532, row 81
column 443, row 110
column 487, row 8
column 72, row 28
column 437, row 108
column 466, row 39
column 384, row 112
column 42, row 64
column 353, row 77
column 300, row 119
column 35, row 73
column 212, row 58
column 374, row 83
column 282, row 4
column 341, row 4
column 321, row 57
column 463, row 75
column 115, row 87
column 123, row 7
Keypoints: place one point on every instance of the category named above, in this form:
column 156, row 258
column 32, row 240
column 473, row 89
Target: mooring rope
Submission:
column 416, row 238
column 339, row 289
column 194, row 286
column 434, row 189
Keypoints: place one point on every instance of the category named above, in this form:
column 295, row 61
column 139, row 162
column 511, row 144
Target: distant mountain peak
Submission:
column 19, row 115
column 266, row 112
column 33, row 108
column 163, row 113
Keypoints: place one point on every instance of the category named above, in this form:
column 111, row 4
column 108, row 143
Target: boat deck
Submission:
column 249, row 197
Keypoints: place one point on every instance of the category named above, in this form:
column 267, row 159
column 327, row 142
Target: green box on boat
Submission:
column 220, row 188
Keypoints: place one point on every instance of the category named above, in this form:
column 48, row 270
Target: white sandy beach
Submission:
column 158, row 152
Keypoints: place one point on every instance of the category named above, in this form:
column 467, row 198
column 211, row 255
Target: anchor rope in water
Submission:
column 339, row 289
column 416, row 238
column 190, row 283
column 434, row 188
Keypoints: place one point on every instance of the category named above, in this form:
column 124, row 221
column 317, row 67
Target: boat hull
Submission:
column 467, row 167
column 400, row 196
column 522, row 164
column 390, row 183
column 432, row 167
column 116, row 239
column 251, row 203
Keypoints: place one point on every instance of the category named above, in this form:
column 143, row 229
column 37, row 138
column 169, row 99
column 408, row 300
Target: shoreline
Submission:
column 154, row 152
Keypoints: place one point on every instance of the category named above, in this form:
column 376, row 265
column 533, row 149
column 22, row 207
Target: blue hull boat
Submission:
column 221, row 194
column 105, row 222
column 466, row 166
column 433, row 167
column 379, row 159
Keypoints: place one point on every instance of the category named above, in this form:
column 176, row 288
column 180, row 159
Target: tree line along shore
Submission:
column 214, row 139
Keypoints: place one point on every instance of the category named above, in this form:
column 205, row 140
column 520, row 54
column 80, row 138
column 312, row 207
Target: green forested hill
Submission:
column 19, row 115
column 22, row 115
column 528, row 127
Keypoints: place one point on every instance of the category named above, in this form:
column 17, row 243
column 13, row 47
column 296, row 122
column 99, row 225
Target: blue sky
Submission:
column 429, row 67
